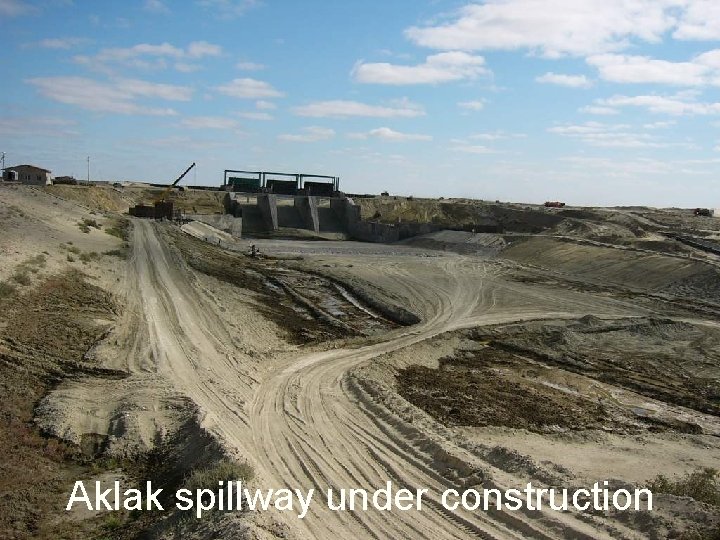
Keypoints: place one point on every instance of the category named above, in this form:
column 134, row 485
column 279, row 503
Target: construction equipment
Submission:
column 554, row 204
column 706, row 212
column 161, row 197
column 161, row 209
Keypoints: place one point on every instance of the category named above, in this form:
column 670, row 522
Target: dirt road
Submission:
column 308, row 425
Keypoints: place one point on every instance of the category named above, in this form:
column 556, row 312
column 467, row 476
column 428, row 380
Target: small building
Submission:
column 28, row 174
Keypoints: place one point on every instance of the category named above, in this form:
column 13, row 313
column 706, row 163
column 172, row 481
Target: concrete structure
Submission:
column 28, row 174
column 267, row 212
column 286, row 184
column 307, row 207
column 371, row 231
column 267, row 203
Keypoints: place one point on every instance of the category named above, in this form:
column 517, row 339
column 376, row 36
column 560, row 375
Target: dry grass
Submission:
column 120, row 229
column 35, row 354
column 224, row 470
column 6, row 290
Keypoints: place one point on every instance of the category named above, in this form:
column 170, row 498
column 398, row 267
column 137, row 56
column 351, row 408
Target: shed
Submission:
column 28, row 174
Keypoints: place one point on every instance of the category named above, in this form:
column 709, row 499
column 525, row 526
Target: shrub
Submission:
column 87, row 257
column 6, row 290
column 38, row 260
column 226, row 470
column 21, row 277
column 119, row 253
column 120, row 229
column 91, row 223
column 703, row 485
column 113, row 522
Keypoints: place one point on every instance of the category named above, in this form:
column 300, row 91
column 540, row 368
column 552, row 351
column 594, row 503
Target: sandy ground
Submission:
column 327, row 414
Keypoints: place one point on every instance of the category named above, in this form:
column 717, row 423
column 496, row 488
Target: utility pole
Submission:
column 88, row 162
column 2, row 158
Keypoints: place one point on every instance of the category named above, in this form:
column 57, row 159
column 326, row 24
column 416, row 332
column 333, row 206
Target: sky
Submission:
column 592, row 102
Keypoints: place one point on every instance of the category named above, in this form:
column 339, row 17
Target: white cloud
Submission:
column 309, row 134
column 61, row 43
column 599, row 110
column 148, row 56
column 13, row 8
column 249, row 89
column 209, row 122
column 188, row 143
column 438, row 68
column 228, row 9
column 37, row 126
column 156, row 6
column 249, row 66
column 137, row 87
column 642, row 69
column 496, row 136
column 660, row 125
column 612, row 136
column 186, row 67
column 201, row 49
column 117, row 97
column 555, row 28
column 699, row 21
column 388, row 134
column 256, row 115
column 678, row 104
column 265, row 105
column 572, row 81
column 473, row 148
column 476, row 105
column 345, row 109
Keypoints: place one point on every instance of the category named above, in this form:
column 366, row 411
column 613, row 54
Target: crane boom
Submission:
column 164, row 193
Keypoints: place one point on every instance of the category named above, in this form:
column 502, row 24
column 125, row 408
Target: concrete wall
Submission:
column 307, row 207
column 346, row 210
column 369, row 231
column 268, row 207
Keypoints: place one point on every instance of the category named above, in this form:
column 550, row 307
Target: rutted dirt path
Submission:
column 305, row 422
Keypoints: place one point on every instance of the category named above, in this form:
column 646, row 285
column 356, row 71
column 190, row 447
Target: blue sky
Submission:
column 603, row 102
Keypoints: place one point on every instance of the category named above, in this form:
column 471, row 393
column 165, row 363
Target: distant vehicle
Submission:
column 703, row 212
column 554, row 204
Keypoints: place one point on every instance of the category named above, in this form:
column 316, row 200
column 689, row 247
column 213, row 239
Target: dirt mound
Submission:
column 458, row 215
column 459, row 242
column 98, row 198
column 630, row 269
column 545, row 376
column 472, row 390
column 705, row 284
column 110, row 199
column 670, row 361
